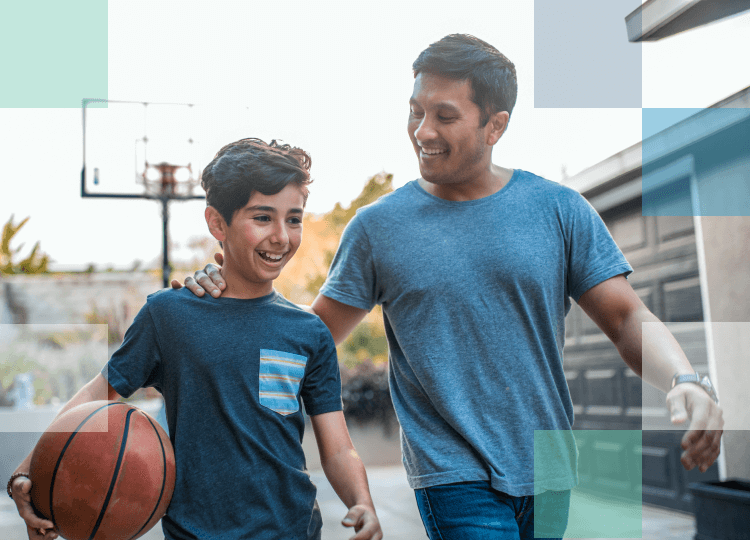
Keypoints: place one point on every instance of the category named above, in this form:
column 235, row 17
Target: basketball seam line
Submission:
column 114, row 476
column 62, row 453
column 163, row 480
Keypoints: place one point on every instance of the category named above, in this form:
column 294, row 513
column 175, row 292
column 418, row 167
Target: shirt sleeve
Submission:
column 321, row 387
column 593, row 255
column 136, row 364
column 352, row 279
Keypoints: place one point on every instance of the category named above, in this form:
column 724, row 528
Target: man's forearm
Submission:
column 650, row 349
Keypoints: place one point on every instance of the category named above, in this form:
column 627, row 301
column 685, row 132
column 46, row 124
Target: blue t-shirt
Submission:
column 234, row 374
column 474, row 298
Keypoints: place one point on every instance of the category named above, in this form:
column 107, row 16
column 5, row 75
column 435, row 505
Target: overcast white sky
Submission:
column 333, row 78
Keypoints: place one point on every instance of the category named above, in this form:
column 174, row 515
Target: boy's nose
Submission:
column 280, row 235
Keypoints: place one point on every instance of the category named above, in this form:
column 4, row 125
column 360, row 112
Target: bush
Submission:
column 365, row 392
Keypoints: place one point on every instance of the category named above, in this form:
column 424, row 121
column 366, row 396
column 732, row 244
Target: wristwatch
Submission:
column 695, row 378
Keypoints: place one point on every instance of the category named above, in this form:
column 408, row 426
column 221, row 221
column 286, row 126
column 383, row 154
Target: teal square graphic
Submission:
column 695, row 162
column 54, row 53
column 607, row 501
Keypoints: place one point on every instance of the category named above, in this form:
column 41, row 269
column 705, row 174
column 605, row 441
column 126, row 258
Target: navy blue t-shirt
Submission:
column 234, row 374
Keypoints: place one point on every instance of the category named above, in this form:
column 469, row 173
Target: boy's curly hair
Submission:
column 248, row 165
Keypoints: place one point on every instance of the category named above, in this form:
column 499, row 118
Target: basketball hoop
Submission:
column 168, row 181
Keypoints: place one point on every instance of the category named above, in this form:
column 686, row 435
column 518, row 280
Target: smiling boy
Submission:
column 234, row 405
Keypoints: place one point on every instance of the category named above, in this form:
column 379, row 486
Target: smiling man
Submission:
column 475, row 266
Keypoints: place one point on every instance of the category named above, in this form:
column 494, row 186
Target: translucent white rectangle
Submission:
column 42, row 366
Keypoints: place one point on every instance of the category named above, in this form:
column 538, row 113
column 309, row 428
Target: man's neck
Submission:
column 479, row 188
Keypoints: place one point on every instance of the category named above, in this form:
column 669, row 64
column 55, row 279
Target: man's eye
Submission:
column 262, row 218
column 295, row 221
column 445, row 118
column 416, row 114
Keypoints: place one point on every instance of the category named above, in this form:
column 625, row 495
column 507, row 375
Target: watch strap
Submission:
column 695, row 378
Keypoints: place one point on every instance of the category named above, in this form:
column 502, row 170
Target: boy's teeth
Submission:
column 272, row 257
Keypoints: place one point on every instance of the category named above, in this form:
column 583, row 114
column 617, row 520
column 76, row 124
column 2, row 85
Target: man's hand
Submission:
column 36, row 527
column 364, row 521
column 209, row 279
column 702, row 441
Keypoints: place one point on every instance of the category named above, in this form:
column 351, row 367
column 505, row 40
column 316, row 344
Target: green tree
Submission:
column 367, row 342
column 339, row 217
column 35, row 263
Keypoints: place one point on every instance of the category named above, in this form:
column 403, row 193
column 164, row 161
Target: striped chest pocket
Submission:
column 279, row 379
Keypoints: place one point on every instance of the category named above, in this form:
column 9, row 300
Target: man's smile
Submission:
column 429, row 154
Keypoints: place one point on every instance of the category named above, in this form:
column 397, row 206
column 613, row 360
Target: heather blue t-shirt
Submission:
column 474, row 298
column 234, row 374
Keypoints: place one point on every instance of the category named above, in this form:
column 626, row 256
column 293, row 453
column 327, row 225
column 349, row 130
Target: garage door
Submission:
column 606, row 394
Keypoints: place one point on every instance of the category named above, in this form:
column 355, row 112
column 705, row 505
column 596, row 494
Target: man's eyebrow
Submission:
column 296, row 211
column 444, row 105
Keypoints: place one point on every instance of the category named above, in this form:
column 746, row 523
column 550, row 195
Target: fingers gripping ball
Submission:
column 103, row 471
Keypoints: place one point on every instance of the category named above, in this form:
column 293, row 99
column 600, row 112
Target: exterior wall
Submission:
column 727, row 248
column 67, row 299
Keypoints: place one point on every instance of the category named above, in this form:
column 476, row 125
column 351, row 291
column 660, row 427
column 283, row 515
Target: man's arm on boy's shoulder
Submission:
column 615, row 307
column 340, row 318
column 37, row 528
column 346, row 473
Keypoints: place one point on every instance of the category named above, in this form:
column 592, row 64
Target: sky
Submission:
column 333, row 78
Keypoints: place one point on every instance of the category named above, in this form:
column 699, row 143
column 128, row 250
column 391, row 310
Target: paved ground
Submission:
column 398, row 512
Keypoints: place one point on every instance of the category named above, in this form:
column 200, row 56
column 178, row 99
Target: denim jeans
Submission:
column 475, row 511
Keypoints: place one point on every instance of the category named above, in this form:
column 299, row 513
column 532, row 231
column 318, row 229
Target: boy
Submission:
column 234, row 410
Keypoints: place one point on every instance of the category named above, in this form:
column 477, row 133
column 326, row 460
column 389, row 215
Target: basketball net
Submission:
column 160, row 181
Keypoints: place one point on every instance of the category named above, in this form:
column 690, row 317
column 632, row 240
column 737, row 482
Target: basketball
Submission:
column 103, row 470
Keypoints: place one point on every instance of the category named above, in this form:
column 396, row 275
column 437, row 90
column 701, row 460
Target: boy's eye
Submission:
column 415, row 114
column 295, row 221
column 262, row 218
column 445, row 118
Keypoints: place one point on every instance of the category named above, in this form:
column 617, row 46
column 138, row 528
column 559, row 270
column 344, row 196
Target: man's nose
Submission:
column 425, row 130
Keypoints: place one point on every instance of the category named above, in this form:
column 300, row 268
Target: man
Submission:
column 474, row 265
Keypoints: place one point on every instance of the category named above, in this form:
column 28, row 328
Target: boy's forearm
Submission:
column 347, row 476
column 340, row 461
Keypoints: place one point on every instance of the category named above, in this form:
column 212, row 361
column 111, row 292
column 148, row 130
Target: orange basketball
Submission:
column 103, row 471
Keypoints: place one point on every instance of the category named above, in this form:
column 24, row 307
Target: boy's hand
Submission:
column 364, row 521
column 36, row 527
column 209, row 279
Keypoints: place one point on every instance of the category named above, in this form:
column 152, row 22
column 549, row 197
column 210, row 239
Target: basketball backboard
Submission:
column 129, row 146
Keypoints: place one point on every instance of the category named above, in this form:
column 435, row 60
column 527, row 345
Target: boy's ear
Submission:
column 216, row 224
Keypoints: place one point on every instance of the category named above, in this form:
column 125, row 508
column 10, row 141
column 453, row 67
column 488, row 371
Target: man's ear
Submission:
column 496, row 126
column 216, row 224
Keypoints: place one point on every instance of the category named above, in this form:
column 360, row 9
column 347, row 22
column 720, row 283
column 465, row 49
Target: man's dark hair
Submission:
column 465, row 57
column 249, row 165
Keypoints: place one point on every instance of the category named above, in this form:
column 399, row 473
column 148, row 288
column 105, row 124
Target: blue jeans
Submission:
column 475, row 511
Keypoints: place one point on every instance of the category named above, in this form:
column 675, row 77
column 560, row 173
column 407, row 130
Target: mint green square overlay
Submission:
column 54, row 53
column 607, row 502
